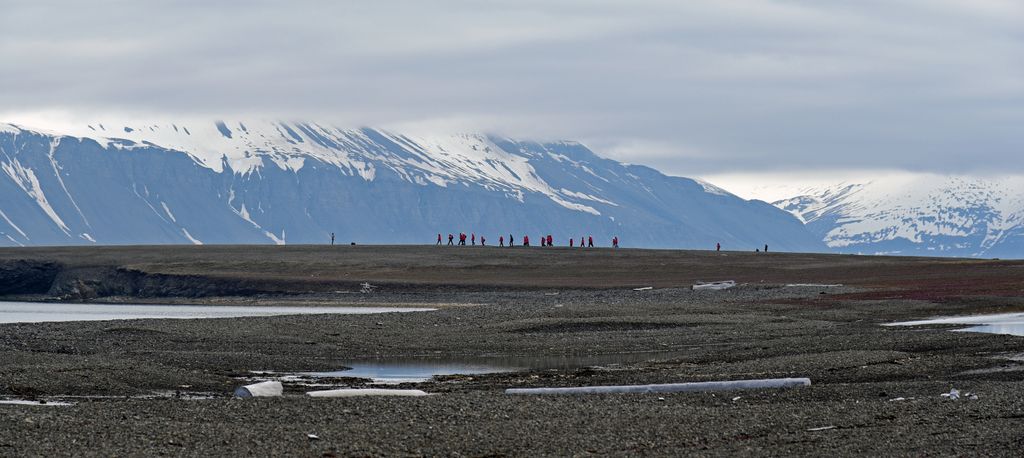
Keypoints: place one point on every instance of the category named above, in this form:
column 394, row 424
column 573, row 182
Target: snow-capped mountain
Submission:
column 917, row 214
column 295, row 182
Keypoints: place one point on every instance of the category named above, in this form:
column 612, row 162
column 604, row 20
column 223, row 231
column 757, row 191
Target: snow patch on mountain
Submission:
column 914, row 213
column 26, row 179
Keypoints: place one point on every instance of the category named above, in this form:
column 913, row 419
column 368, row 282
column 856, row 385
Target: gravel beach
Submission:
column 147, row 387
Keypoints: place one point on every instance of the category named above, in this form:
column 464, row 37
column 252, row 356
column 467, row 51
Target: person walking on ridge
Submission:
column 590, row 241
column 483, row 241
column 718, row 247
column 766, row 248
column 332, row 239
column 473, row 238
column 501, row 240
column 511, row 241
column 550, row 239
column 450, row 238
column 526, row 240
column 570, row 242
column 438, row 239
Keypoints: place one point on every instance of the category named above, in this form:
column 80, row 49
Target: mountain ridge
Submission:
column 917, row 214
column 279, row 182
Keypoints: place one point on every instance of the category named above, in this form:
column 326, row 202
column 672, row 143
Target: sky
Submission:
column 732, row 90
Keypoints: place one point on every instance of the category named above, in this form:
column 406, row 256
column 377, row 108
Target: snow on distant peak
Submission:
column 710, row 188
column 938, row 212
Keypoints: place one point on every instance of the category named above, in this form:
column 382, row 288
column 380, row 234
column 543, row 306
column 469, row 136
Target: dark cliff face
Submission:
column 59, row 190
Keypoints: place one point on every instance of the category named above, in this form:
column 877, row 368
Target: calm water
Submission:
column 1004, row 323
column 415, row 370
column 32, row 312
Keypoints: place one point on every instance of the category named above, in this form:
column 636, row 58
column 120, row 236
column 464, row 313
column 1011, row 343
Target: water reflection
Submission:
column 36, row 312
column 415, row 370
column 1003, row 323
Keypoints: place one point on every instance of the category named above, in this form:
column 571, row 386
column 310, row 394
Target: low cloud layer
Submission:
column 692, row 88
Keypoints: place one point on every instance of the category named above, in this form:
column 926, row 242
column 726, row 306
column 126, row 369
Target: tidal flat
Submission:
column 163, row 386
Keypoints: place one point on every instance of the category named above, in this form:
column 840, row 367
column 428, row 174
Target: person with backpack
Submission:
column 501, row 240
column 450, row 238
column 590, row 241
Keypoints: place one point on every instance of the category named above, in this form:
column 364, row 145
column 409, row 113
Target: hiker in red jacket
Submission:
column 473, row 238
column 582, row 240
column 501, row 240
column 615, row 242
column 439, row 238
column 462, row 238
column 590, row 241
column 526, row 240
column 550, row 240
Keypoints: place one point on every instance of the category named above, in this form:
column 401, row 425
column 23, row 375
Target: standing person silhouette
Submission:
column 590, row 241
column 511, row 241
column 581, row 242
column 473, row 238
column 526, row 240
column 571, row 240
column 483, row 241
column 718, row 247
column 332, row 239
column 766, row 248
column 550, row 239
column 438, row 238
column 450, row 238
column 501, row 240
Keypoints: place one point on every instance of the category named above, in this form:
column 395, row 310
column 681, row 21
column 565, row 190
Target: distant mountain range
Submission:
column 296, row 182
column 916, row 214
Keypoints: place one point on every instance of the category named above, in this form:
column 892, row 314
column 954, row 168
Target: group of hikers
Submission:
column 545, row 240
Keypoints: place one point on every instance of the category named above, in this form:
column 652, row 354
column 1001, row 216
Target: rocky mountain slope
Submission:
column 289, row 182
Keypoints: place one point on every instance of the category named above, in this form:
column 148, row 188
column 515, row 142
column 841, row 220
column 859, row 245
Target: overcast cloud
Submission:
column 692, row 88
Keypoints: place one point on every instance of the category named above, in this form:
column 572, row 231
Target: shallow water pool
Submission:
column 1003, row 323
column 416, row 370
column 37, row 312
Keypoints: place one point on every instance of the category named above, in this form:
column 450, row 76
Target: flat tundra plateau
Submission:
column 876, row 390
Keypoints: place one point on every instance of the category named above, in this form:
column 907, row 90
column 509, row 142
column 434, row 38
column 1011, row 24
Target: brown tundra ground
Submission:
column 875, row 390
